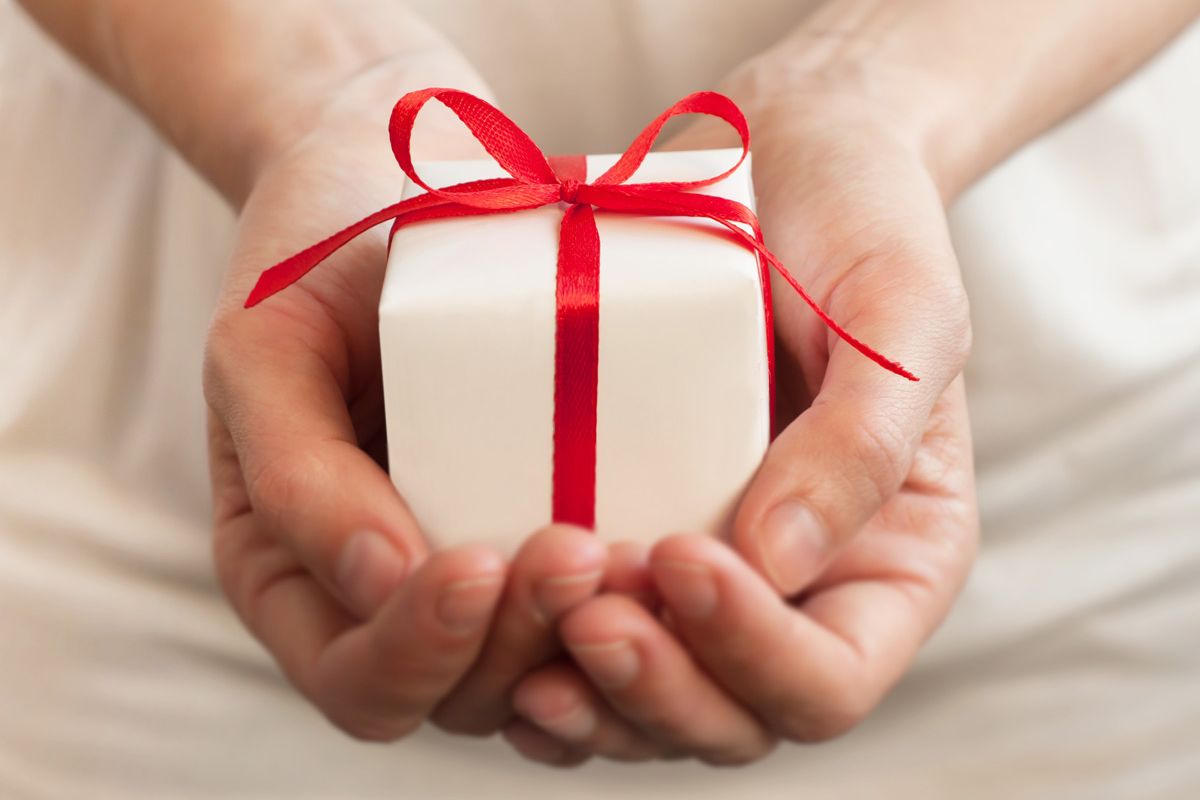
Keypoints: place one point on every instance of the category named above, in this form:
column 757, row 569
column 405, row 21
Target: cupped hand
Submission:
column 313, row 545
column 860, row 526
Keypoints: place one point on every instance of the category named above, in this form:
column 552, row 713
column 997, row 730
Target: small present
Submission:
column 469, row 326
column 575, row 339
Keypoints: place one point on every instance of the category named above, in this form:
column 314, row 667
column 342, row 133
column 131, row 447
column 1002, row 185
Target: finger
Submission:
column 380, row 679
column 309, row 484
column 810, row 673
column 564, row 706
column 555, row 570
column 539, row 746
column 648, row 678
column 833, row 467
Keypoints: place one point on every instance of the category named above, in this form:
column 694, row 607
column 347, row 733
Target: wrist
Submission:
column 353, row 111
column 967, row 82
column 831, row 74
column 246, row 83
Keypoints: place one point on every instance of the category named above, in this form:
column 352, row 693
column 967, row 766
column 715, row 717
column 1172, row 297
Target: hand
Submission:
column 861, row 524
column 313, row 545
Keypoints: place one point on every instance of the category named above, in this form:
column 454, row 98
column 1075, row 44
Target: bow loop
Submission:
column 708, row 103
column 504, row 141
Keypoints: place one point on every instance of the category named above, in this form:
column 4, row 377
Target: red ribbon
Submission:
column 537, row 181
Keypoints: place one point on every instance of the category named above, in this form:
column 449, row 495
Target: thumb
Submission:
column 835, row 466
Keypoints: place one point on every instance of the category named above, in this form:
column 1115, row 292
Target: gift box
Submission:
column 568, row 349
column 468, row 322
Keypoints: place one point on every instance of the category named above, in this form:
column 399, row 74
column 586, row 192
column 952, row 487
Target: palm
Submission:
column 326, row 323
column 850, row 219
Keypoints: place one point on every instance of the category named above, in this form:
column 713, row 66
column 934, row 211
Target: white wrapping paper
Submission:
column 467, row 332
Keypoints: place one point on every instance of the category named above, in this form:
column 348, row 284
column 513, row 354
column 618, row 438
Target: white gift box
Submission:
column 467, row 338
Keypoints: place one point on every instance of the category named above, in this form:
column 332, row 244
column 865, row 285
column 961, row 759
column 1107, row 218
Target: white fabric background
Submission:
column 1069, row 669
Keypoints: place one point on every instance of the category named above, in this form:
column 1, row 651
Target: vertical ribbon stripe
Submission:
column 576, row 354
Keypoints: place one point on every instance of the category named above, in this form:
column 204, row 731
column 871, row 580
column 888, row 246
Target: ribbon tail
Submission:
column 292, row 269
column 650, row 199
column 414, row 209
column 576, row 368
column 756, row 242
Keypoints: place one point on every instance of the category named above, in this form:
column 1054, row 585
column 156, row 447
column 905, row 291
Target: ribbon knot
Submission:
column 537, row 181
column 568, row 190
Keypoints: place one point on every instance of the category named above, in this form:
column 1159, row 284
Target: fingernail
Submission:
column 465, row 605
column 611, row 664
column 688, row 587
column 792, row 545
column 368, row 570
column 554, row 595
column 574, row 725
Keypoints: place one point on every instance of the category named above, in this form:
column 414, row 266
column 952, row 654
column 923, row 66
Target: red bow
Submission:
column 537, row 181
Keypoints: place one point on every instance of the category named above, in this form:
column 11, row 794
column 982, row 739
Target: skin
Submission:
column 858, row 530
column 801, row 642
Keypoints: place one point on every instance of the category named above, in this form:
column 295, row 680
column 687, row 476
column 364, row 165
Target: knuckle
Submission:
column 420, row 669
column 391, row 655
column 964, row 338
column 741, row 754
column 663, row 722
column 457, row 721
column 284, row 481
column 675, row 721
column 952, row 547
column 814, row 730
column 955, row 309
column 241, row 579
column 228, row 376
column 846, row 706
column 226, row 554
column 641, row 752
column 743, row 651
column 359, row 706
column 882, row 448
column 219, row 347
column 359, row 721
column 568, row 760
column 634, row 746
column 943, row 302
column 841, row 707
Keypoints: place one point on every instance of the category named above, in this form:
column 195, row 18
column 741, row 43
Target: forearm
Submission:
column 230, row 82
column 973, row 80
